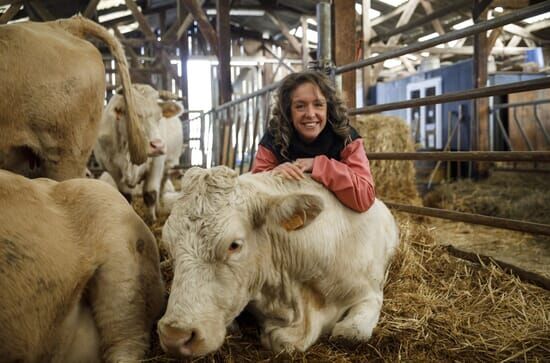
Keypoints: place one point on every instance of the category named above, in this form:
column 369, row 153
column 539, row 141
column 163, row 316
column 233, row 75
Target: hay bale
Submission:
column 395, row 179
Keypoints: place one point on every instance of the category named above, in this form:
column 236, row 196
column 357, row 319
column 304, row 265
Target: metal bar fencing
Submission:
column 231, row 131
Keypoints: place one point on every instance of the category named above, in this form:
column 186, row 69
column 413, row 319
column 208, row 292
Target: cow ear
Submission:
column 170, row 109
column 295, row 211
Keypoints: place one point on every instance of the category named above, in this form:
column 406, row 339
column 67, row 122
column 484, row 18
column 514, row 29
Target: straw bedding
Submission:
column 436, row 307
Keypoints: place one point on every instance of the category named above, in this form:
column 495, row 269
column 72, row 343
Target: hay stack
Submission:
column 395, row 179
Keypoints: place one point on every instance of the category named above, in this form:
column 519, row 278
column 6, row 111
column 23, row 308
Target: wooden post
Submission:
column 344, row 41
column 367, row 35
column 224, row 49
column 480, row 127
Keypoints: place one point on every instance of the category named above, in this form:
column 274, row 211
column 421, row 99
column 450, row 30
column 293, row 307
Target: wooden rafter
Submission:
column 286, row 32
column 10, row 12
column 206, row 29
column 429, row 10
column 142, row 22
column 281, row 60
column 133, row 55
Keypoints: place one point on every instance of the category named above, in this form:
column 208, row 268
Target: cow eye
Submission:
column 235, row 246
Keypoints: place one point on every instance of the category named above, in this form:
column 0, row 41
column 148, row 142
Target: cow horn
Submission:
column 167, row 95
column 119, row 90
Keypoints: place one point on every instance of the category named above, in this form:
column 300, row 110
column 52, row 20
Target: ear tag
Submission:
column 295, row 222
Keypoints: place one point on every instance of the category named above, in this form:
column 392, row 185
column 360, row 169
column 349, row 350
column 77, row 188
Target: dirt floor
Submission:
column 526, row 251
column 504, row 194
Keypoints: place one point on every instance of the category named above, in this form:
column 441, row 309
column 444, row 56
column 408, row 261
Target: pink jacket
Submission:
column 350, row 179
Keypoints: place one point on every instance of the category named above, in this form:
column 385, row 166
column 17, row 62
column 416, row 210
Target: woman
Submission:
column 309, row 132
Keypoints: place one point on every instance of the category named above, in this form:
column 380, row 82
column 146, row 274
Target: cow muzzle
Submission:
column 176, row 341
column 157, row 147
column 190, row 340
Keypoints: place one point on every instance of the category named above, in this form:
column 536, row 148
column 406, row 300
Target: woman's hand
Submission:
column 289, row 171
column 305, row 165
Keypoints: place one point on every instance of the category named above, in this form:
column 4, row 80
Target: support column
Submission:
column 344, row 52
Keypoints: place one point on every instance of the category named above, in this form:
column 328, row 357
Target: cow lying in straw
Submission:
column 80, row 278
column 303, row 263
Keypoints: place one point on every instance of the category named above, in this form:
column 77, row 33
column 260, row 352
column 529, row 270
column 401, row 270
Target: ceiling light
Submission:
column 239, row 12
column 425, row 54
column 128, row 28
column 499, row 9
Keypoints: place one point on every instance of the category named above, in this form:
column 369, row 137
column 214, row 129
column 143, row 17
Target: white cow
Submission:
column 163, row 127
column 303, row 263
column 79, row 273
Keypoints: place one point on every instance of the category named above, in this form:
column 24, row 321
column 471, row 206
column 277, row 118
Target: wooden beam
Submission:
column 143, row 24
column 383, row 18
column 305, row 45
column 281, row 60
column 90, row 9
column 206, row 29
column 286, row 32
column 10, row 12
column 538, row 26
column 367, row 34
column 429, row 10
column 463, row 50
column 344, row 49
column 522, row 32
column 480, row 125
column 224, row 50
column 516, row 39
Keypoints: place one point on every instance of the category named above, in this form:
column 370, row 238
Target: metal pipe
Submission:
column 518, row 104
column 516, row 225
column 503, row 89
column 324, row 27
column 503, row 130
column 463, row 155
column 511, row 17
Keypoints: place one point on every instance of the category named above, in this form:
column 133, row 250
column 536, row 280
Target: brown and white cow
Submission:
column 303, row 263
column 51, row 96
column 80, row 278
column 163, row 128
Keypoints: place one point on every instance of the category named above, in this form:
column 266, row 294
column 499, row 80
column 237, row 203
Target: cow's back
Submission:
column 52, row 95
column 41, row 265
column 59, row 241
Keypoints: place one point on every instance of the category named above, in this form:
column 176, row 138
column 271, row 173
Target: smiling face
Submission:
column 308, row 109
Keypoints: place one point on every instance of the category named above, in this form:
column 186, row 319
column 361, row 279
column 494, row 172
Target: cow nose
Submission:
column 157, row 147
column 176, row 341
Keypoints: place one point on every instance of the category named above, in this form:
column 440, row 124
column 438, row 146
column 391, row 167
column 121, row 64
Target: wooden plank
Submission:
column 10, row 12
column 142, row 22
column 344, row 45
column 90, row 9
column 224, row 50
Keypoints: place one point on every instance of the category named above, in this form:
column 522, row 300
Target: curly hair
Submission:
column 280, row 124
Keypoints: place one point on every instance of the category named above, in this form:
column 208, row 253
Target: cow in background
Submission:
column 160, row 116
column 302, row 262
column 51, row 96
column 80, row 278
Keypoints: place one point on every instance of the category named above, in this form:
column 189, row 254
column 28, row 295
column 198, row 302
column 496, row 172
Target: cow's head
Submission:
column 150, row 109
column 219, row 235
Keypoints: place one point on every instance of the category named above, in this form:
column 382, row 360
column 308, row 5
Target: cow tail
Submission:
column 81, row 27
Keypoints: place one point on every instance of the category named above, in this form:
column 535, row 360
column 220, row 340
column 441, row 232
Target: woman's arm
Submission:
column 350, row 179
column 264, row 160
